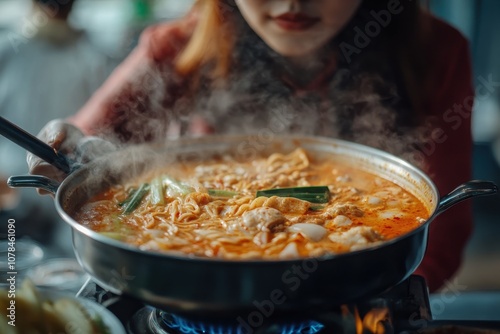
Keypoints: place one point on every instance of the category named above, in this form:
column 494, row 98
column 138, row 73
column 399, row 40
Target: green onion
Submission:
column 177, row 186
column 136, row 199
column 316, row 207
column 129, row 197
column 157, row 194
column 315, row 194
column 222, row 193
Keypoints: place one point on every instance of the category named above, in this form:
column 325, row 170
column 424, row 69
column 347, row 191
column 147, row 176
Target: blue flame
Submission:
column 308, row 327
column 195, row 327
column 185, row 326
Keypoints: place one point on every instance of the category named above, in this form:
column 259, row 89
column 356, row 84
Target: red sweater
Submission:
column 447, row 152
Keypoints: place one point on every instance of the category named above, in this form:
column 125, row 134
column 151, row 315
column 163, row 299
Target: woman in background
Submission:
column 379, row 72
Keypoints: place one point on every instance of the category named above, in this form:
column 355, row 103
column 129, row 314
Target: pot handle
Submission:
column 464, row 191
column 33, row 181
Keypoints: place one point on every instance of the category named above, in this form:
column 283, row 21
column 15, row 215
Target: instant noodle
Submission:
column 277, row 206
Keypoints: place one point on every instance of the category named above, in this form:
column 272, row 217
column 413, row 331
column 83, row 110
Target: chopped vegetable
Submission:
column 222, row 193
column 177, row 186
column 316, row 207
column 157, row 191
column 315, row 194
column 136, row 199
column 129, row 197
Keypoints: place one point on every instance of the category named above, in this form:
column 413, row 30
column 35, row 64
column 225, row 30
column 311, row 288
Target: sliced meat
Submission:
column 288, row 204
column 308, row 219
column 264, row 219
column 343, row 209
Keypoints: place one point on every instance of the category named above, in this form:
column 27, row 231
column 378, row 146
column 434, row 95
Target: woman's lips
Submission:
column 295, row 21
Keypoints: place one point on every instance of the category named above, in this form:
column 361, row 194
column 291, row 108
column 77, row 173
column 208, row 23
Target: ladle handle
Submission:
column 464, row 191
column 33, row 181
column 34, row 145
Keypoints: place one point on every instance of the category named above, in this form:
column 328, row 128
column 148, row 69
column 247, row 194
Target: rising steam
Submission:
column 360, row 104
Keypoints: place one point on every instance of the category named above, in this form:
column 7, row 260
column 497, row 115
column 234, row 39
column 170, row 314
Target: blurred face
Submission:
column 297, row 27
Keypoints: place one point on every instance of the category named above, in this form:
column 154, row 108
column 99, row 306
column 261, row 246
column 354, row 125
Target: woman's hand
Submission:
column 70, row 141
column 61, row 136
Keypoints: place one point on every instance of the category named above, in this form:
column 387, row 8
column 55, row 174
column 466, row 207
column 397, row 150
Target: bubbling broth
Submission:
column 272, row 207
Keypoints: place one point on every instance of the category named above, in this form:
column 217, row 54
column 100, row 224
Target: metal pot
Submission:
column 205, row 286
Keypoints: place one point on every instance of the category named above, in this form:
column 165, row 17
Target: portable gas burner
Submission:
column 403, row 309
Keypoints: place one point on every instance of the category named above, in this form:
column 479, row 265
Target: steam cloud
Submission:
column 359, row 104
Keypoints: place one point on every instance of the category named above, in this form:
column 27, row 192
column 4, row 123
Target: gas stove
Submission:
column 404, row 309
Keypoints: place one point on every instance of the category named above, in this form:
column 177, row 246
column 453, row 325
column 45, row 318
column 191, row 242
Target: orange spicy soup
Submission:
column 307, row 207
